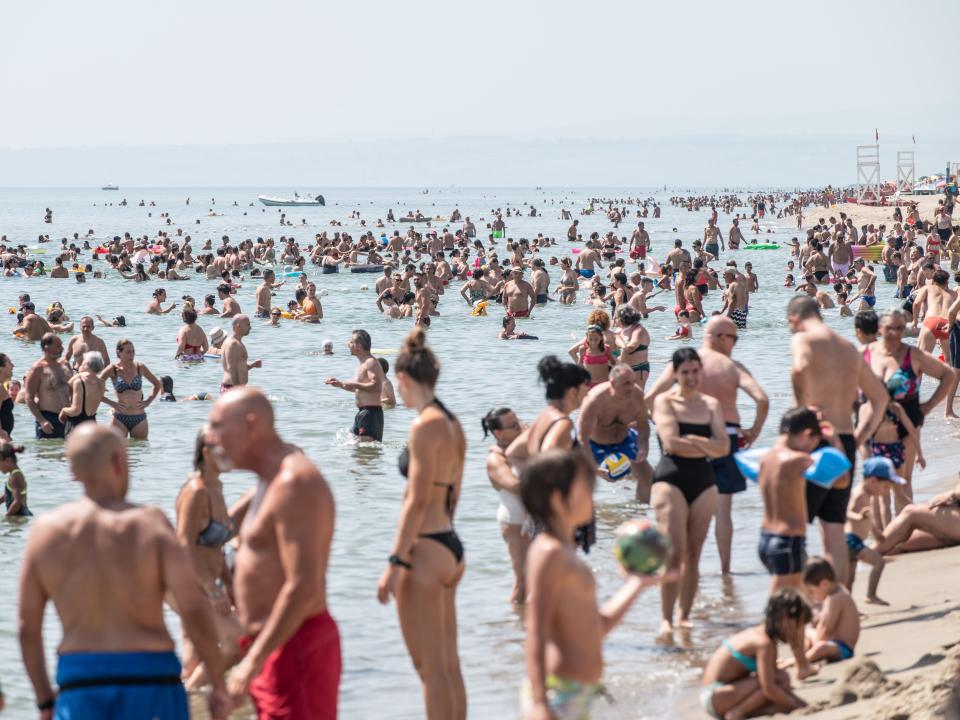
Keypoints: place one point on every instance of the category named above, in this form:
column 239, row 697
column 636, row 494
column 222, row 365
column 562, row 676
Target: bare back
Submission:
column 826, row 369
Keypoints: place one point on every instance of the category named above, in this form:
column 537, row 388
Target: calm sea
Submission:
column 646, row 678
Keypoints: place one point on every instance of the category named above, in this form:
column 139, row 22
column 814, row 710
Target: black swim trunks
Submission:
column 725, row 471
column 782, row 554
column 368, row 423
column 59, row 428
column 830, row 504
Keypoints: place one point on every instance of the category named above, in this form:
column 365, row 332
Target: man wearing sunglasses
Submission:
column 721, row 378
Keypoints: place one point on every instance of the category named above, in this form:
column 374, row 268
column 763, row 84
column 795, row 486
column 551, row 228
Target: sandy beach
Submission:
column 877, row 215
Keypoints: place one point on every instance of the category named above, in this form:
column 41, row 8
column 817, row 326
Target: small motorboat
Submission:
column 110, row 187
column 296, row 201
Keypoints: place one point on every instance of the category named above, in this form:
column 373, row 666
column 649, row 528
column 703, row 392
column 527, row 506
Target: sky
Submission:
column 336, row 81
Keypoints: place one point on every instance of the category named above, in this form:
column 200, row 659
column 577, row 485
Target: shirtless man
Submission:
column 840, row 256
column 639, row 243
column 933, row 301
column 85, row 342
column 385, row 281
column 264, row 295
column 735, row 299
column 292, row 663
column 586, row 261
column 828, row 373
column 108, row 565
column 541, row 282
column 735, row 235
column 32, row 327
column 572, row 231
column 866, row 284
column 711, row 236
column 721, row 377
column 677, row 255
column 230, row 306
column 613, row 417
column 234, row 356
column 48, row 389
column 519, row 296
column 368, row 386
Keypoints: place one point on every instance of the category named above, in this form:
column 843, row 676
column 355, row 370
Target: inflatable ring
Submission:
column 762, row 246
column 829, row 464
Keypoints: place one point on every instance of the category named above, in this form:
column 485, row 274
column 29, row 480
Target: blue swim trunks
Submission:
column 627, row 446
column 584, row 273
column 120, row 686
column 846, row 652
column 854, row 545
column 870, row 300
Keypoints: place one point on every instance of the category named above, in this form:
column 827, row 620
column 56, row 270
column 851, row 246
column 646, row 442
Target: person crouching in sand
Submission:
column 741, row 679
column 838, row 625
column 565, row 629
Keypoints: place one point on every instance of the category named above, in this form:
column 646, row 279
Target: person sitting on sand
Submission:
column 928, row 526
column 838, row 625
column 741, row 679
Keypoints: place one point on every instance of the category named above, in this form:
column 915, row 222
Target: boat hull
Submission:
column 291, row 202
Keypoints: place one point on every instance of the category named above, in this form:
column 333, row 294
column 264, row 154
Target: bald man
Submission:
column 234, row 356
column 107, row 564
column 292, row 664
column 721, row 377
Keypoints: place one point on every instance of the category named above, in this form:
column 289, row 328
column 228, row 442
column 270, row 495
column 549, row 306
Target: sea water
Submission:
column 645, row 677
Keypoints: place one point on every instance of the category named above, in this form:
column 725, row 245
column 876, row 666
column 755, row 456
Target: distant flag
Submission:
column 877, row 133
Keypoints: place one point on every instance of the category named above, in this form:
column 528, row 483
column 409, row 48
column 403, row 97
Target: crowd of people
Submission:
column 260, row 628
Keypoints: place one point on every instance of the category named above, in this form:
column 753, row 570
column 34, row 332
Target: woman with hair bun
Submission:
column 566, row 386
column 15, row 487
column 427, row 562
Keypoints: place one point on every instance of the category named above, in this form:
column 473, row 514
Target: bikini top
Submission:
column 216, row 533
column 701, row 429
column 403, row 461
column 748, row 662
column 903, row 383
column 600, row 359
column 121, row 385
column 573, row 432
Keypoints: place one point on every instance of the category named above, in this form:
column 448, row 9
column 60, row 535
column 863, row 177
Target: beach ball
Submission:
column 640, row 547
column 616, row 465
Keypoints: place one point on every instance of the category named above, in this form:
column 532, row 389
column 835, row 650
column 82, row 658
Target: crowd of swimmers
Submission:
column 265, row 615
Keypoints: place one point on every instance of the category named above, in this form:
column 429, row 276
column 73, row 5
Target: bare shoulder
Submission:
column 299, row 477
column 711, row 402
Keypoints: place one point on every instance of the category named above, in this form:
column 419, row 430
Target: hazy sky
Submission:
column 222, row 73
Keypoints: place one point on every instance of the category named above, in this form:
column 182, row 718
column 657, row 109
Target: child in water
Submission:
column 683, row 330
column 565, row 629
column 838, row 626
column 15, row 487
column 741, row 679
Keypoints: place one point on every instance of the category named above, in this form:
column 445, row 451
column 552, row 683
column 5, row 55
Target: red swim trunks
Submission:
column 939, row 326
column 300, row 680
column 518, row 313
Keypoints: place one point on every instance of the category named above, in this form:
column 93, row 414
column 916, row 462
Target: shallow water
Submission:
column 479, row 372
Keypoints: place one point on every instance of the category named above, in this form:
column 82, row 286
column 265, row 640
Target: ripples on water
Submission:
column 479, row 372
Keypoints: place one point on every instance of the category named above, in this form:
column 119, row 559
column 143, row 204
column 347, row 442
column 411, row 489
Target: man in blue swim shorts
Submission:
column 613, row 417
column 107, row 565
column 586, row 260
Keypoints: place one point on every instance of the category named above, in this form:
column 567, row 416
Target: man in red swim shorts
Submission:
column 291, row 668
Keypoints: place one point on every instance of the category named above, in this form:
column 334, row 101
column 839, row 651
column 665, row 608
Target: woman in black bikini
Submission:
column 427, row 562
column 684, row 497
column 204, row 526
column 6, row 402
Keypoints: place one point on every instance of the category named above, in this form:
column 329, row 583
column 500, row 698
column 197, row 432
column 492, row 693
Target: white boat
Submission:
column 110, row 187
column 296, row 201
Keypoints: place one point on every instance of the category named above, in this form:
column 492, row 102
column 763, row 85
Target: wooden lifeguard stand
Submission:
column 868, row 174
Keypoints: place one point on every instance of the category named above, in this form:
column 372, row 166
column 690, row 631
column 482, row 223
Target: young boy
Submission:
column 565, row 628
column 861, row 520
column 783, row 534
column 838, row 626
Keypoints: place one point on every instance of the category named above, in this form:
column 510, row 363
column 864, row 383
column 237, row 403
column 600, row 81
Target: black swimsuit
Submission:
column 691, row 475
column 82, row 416
column 448, row 538
column 6, row 416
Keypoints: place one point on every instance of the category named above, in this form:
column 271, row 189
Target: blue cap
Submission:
column 882, row 468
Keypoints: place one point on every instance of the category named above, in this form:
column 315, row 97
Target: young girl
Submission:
column 15, row 488
column 593, row 355
column 741, row 679
column 565, row 628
